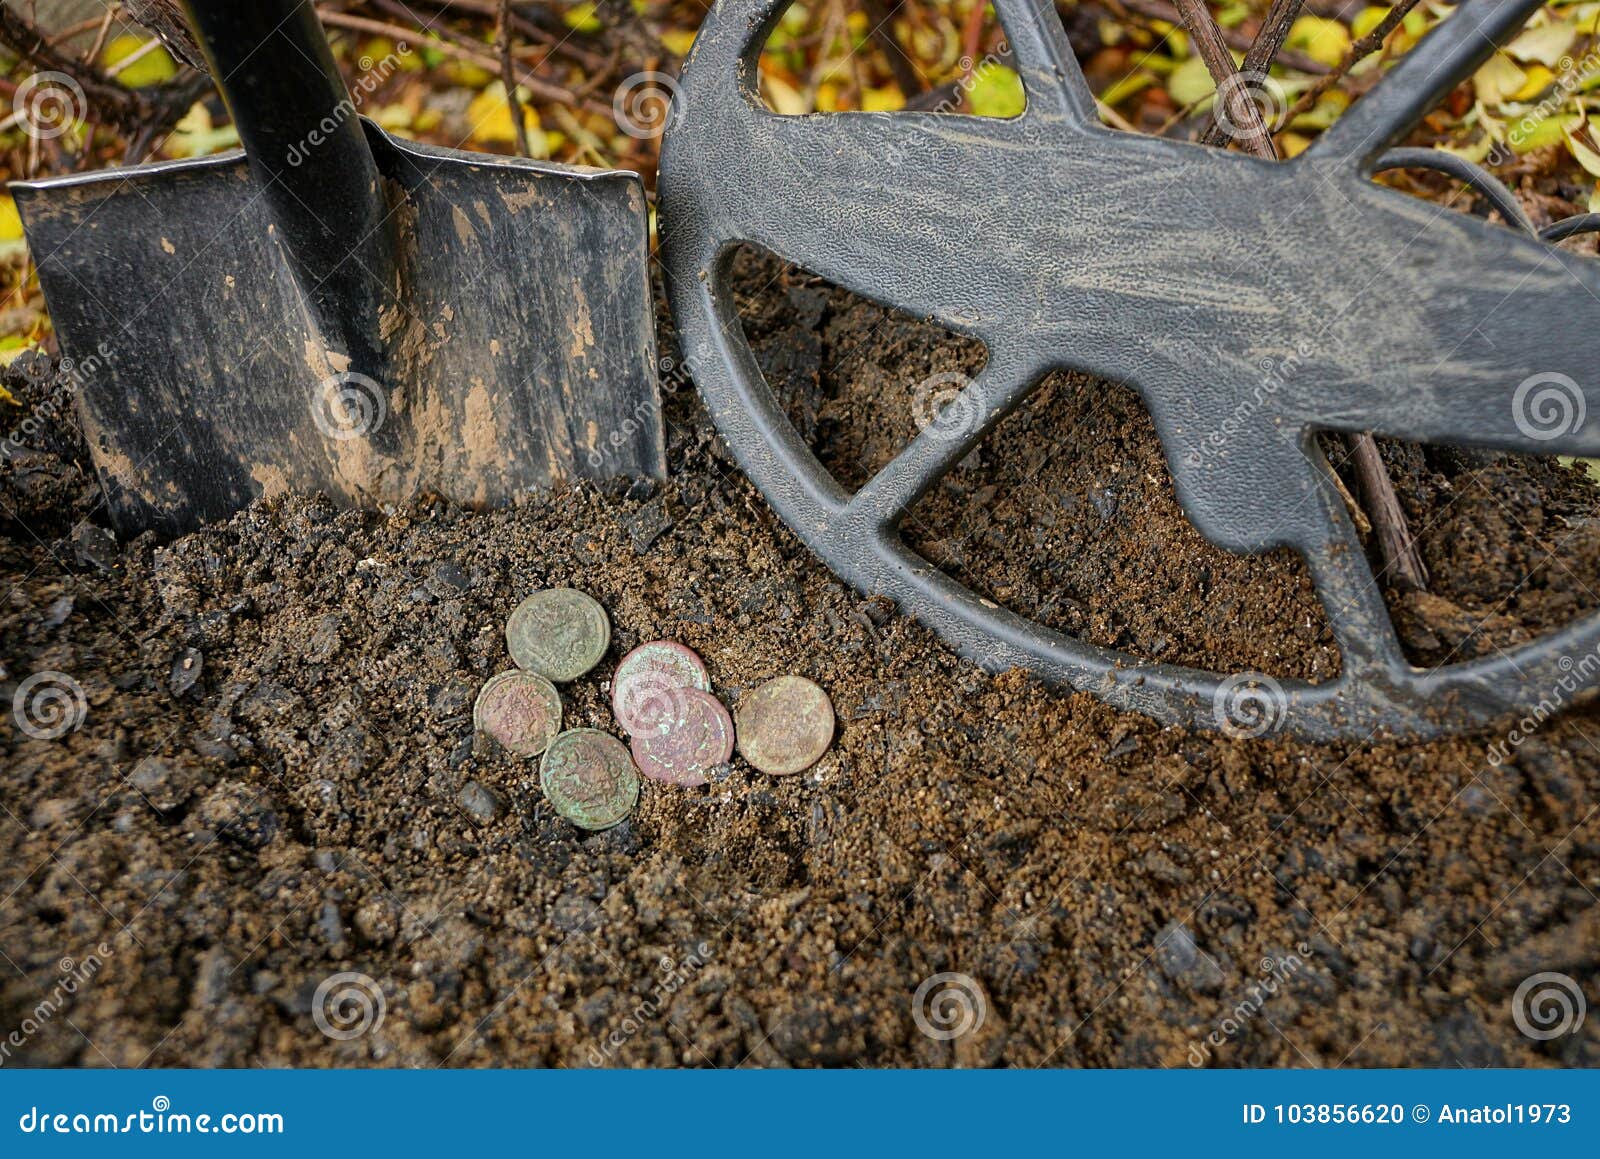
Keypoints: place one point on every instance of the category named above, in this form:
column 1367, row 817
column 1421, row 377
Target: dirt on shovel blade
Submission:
column 243, row 821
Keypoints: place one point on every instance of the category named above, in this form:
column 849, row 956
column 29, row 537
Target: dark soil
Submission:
column 276, row 783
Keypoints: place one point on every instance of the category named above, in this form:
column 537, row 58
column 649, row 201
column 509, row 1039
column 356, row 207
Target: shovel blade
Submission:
column 516, row 336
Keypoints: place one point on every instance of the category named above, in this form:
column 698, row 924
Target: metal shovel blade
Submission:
column 516, row 328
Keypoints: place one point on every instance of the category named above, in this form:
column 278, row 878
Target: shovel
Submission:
column 339, row 310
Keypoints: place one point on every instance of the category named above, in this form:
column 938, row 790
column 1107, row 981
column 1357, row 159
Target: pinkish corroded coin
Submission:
column 686, row 749
column 519, row 711
column 644, row 692
column 785, row 725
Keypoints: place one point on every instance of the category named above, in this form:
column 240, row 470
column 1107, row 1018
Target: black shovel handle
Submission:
column 307, row 151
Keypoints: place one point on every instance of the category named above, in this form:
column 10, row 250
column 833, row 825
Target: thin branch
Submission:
column 539, row 87
column 1359, row 51
column 1262, row 52
column 1213, row 49
column 508, row 77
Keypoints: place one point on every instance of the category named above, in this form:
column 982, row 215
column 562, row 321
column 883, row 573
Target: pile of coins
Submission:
column 661, row 695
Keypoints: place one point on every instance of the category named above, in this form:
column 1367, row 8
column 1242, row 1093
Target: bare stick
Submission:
column 1163, row 10
column 1213, row 49
column 1262, row 52
column 508, row 78
column 539, row 87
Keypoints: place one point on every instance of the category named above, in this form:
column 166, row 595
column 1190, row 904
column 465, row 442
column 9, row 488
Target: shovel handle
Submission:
column 306, row 148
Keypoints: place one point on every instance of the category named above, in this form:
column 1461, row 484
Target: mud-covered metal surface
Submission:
column 1213, row 283
column 343, row 311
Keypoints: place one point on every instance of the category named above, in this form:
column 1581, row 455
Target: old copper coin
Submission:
column 785, row 725
column 644, row 692
column 519, row 711
column 589, row 778
column 560, row 633
column 685, row 749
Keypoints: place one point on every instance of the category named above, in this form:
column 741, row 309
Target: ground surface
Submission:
column 266, row 791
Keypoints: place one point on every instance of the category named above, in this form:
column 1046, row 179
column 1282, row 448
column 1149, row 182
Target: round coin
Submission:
column 644, row 690
column 685, row 750
column 559, row 633
column 785, row 725
column 587, row 775
column 519, row 711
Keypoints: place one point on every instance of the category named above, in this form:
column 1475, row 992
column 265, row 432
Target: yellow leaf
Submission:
column 581, row 18
column 827, row 98
column 153, row 68
column 1498, row 80
column 784, row 97
column 1190, row 83
column 1529, row 135
column 1366, row 20
column 10, row 220
column 1328, row 109
column 1323, row 40
column 1293, row 144
column 1539, row 79
column 882, row 100
column 194, row 135
column 1125, row 87
column 490, row 116
column 1581, row 152
column 996, row 91
column 1546, row 44
column 678, row 41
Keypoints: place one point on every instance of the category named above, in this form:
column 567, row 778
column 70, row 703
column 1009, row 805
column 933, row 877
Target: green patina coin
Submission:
column 589, row 777
column 785, row 726
column 559, row 633
column 520, row 711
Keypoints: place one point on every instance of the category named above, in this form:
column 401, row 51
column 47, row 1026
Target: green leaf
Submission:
column 996, row 91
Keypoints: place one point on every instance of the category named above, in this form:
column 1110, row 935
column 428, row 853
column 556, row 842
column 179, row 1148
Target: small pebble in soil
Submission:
column 558, row 633
column 518, row 711
column 186, row 669
column 478, row 803
column 686, row 749
column 643, row 691
column 589, row 778
column 785, row 726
